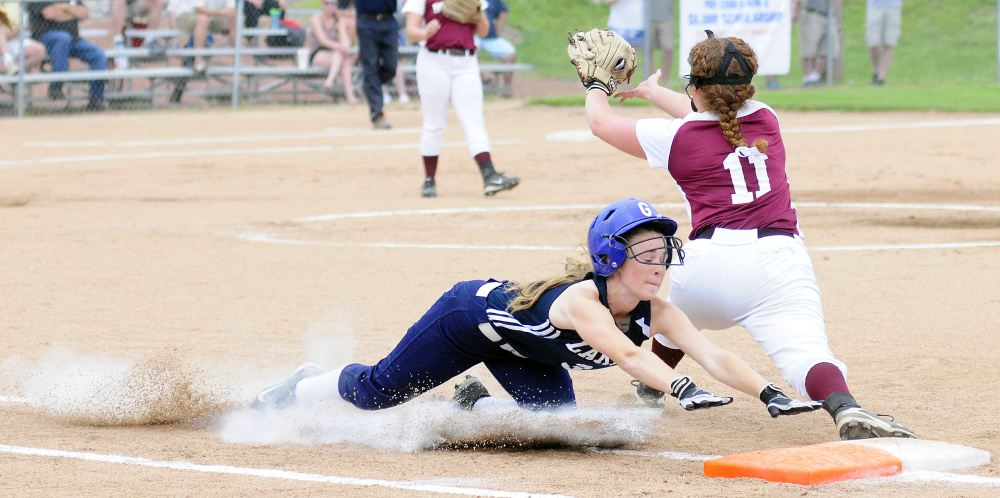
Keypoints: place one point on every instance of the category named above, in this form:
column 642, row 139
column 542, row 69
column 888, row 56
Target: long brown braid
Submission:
column 4, row 20
column 725, row 100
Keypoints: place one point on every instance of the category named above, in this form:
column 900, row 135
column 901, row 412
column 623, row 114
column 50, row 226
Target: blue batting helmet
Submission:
column 606, row 241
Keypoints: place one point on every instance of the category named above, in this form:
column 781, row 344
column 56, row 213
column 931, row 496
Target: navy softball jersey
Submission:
column 469, row 325
column 530, row 333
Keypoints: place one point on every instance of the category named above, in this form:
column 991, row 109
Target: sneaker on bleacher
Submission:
column 9, row 64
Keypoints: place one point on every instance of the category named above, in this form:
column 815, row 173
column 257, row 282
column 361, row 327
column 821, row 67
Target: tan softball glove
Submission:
column 463, row 11
column 603, row 59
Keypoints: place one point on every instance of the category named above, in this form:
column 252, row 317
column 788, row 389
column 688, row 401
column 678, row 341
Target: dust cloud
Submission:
column 431, row 422
column 160, row 388
column 164, row 388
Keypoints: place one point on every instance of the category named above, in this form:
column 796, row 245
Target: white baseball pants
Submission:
column 443, row 78
column 765, row 285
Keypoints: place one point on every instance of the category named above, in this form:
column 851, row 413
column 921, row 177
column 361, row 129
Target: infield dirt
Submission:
column 210, row 252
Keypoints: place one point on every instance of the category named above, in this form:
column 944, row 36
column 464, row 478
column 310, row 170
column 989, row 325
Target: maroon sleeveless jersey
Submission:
column 723, row 186
column 451, row 34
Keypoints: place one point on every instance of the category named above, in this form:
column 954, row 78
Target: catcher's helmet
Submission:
column 606, row 241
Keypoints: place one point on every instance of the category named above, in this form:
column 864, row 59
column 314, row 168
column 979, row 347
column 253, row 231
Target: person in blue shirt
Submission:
column 497, row 46
column 531, row 335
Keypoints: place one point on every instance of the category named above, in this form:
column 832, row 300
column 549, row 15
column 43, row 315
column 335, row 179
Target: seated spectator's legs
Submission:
column 34, row 52
column 98, row 61
column 9, row 60
column 198, row 25
column 502, row 50
column 330, row 59
column 200, row 33
column 57, row 44
column 226, row 25
column 254, row 9
column 117, row 27
column 152, row 9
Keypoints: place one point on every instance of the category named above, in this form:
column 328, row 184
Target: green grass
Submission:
column 946, row 59
column 945, row 98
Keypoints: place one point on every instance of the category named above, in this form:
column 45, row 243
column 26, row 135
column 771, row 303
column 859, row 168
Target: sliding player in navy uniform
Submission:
column 595, row 315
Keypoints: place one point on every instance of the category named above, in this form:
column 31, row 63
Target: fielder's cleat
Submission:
column 496, row 182
column 282, row 395
column 429, row 189
column 855, row 423
column 469, row 391
column 647, row 396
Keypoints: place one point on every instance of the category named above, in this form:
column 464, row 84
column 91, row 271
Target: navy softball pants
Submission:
column 445, row 342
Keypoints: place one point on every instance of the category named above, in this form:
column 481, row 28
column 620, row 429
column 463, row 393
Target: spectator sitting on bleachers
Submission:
column 329, row 46
column 497, row 46
column 148, row 11
column 253, row 10
column 199, row 17
column 10, row 45
column 57, row 26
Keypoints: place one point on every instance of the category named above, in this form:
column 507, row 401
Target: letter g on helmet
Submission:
column 606, row 240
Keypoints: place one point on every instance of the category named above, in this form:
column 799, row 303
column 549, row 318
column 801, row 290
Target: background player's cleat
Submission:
column 429, row 189
column 469, row 391
column 282, row 395
column 496, row 182
column 855, row 423
column 647, row 396
column 380, row 123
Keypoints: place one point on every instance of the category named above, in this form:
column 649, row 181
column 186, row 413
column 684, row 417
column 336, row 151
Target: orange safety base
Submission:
column 807, row 465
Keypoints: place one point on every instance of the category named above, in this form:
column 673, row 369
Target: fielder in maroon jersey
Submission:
column 746, row 263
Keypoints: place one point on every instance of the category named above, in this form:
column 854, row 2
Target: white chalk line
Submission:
column 262, row 237
column 585, row 135
column 667, row 205
column 459, row 210
column 906, row 476
column 352, row 132
column 924, row 476
column 229, row 152
column 893, row 126
column 330, row 132
column 267, row 473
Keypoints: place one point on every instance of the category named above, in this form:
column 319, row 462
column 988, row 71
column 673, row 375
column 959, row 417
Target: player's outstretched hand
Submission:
column 643, row 90
column 778, row 404
column 693, row 398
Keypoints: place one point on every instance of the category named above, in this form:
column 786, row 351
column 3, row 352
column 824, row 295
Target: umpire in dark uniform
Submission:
column 378, row 49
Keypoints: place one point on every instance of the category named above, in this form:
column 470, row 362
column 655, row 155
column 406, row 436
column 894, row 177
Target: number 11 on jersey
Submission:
column 742, row 195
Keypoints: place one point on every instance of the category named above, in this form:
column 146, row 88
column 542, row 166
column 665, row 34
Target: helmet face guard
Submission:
column 609, row 248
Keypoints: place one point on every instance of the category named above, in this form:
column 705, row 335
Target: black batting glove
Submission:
column 778, row 404
column 692, row 398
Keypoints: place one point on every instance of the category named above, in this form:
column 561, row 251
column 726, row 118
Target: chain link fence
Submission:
column 941, row 43
column 62, row 57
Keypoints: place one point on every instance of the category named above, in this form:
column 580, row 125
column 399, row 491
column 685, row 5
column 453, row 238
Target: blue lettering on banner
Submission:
column 738, row 4
column 757, row 17
column 705, row 19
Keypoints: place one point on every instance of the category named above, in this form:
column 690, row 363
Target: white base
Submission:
column 924, row 454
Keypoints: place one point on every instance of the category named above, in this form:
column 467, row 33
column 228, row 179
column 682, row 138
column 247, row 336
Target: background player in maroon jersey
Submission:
column 746, row 263
column 448, row 71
